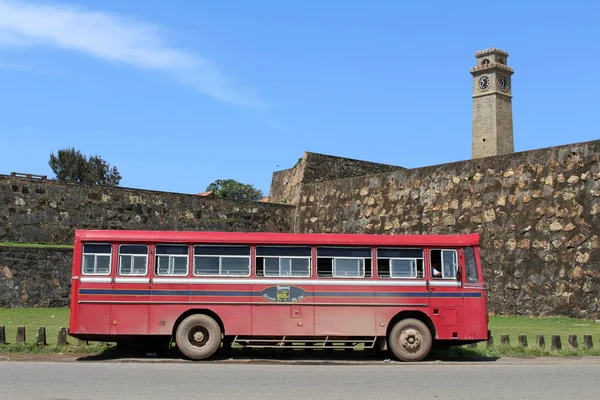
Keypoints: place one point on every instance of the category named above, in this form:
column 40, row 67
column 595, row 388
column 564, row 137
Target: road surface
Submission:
column 517, row 379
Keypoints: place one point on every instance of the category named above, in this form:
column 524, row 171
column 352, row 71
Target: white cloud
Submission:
column 114, row 38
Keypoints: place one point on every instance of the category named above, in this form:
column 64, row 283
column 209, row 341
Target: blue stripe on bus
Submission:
column 220, row 293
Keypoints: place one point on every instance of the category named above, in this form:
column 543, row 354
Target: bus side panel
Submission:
column 475, row 325
column 345, row 320
column 129, row 319
column 345, row 310
column 93, row 319
column 93, row 310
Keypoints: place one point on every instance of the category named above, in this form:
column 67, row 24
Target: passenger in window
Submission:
column 436, row 270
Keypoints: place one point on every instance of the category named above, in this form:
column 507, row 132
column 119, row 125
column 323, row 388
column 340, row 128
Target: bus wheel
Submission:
column 410, row 340
column 198, row 336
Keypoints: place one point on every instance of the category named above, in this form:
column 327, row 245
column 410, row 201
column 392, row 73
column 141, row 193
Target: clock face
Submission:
column 503, row 82
column 484, row 82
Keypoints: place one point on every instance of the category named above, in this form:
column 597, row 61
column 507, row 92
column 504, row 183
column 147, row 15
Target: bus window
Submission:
column 283, row 261
column 344, row 262
column 400, row 263
column 133, row 259
column 96, row 259
column 222, row 260
column 472, row 275
column 171, row 259
column 444, row 264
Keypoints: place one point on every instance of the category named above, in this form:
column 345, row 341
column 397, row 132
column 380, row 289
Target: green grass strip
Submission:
column 37, row 245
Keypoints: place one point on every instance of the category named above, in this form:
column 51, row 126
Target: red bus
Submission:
column 207, row 289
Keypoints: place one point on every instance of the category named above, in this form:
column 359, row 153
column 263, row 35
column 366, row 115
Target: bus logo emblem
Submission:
column 283, row 294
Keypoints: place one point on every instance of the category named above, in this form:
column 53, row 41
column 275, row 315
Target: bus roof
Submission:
column 274, row 238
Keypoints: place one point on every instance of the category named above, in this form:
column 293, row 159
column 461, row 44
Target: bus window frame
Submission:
column 156, row 265
column 110, row 259
column 220, row 257
column 147, row 256
column 456, row 269
column 333, row 258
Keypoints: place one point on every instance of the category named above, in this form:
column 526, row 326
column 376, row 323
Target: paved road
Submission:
column 522, row 379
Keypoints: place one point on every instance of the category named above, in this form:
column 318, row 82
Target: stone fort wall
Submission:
column 49, row 211
column 538, row 213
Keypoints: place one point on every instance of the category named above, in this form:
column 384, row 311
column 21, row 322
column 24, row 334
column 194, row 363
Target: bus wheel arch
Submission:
column 198, row 334
column 410, row 335
column 186, row 314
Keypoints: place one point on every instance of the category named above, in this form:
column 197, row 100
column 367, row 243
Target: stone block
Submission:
column 556, row 343
column 62, row 337
column 41, row 336
column 573, row 341
column 523, row 340
column 587, row 342
column 21, row 334
column 540, row 341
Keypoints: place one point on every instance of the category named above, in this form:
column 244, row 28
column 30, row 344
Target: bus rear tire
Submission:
column 410, row 340
column 198, row 336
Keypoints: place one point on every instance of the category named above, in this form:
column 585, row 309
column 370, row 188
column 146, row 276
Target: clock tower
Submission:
column 492, row 104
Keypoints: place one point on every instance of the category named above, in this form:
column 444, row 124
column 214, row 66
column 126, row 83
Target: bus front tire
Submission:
column 410, row 340
column 198, row 336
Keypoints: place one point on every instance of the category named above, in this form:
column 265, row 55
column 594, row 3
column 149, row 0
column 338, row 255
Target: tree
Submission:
column 71, row 165
column 232, row 189
column 99, row 172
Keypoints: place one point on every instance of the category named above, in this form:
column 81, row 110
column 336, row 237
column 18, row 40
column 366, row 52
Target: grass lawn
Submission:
column 515, row 326
column 531, row 327
column 32, row 318
column 55, row 318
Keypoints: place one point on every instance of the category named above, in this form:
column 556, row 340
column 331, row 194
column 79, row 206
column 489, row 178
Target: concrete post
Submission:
column 556, row 343
column 2, row 335
column 490, row 341
column 587, row 342
column 540, row 341
column 62, row 337
column 523, row 340
column 504, row 339
column 41, row 336
column 573, row 341
column 20, row 334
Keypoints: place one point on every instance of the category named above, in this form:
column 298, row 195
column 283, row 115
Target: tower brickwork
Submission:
column 492, row 104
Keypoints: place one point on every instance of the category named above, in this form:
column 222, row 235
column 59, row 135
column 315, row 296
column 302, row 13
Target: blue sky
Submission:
column 178, row 94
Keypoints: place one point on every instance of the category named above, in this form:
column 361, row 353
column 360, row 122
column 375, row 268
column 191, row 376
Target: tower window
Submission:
column 485, row 62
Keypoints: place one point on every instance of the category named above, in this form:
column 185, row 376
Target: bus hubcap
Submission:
column 198, row 336
column 411, row 340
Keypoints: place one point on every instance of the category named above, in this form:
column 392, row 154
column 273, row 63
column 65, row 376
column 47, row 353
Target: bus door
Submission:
column 131, row 290
column 445, row 289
